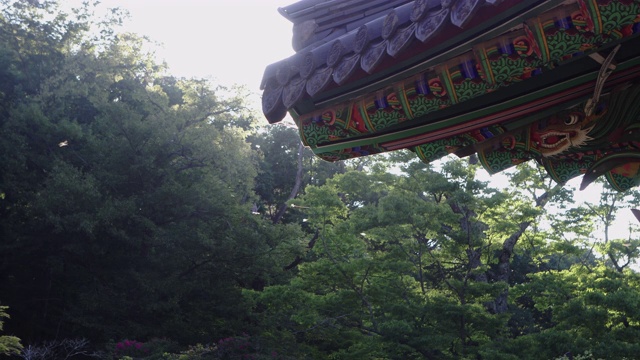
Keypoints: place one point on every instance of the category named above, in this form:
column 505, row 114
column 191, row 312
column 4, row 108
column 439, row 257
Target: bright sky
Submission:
column 232, row 41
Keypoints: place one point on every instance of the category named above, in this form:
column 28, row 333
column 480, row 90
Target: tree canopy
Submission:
column 148, row 216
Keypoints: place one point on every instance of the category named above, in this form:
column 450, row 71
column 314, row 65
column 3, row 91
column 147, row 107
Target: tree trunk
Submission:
column 296, row 186
column 499, row 305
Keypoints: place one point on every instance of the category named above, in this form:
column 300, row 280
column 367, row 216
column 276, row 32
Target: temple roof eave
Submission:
column 496, row 80
column 373, row 42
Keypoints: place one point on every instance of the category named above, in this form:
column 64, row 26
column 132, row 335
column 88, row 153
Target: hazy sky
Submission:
column 230, row 40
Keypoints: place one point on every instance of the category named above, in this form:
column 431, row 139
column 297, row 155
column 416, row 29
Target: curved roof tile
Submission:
column 325, row 65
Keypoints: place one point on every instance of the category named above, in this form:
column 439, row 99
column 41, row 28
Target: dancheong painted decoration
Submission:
column 556, row 81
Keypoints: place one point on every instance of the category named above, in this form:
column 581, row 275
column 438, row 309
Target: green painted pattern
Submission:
column 437, row 149
column 364, row 126
column 622, row 183
column 511, row 58
column 562, row 171
column 615, row 116
column 513, row 149
column 615, row 15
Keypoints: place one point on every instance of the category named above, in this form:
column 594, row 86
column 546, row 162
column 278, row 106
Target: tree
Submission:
column 286, row 168
column 9, row 345
column 127, row 193
column 620, row 253
column 429, row 262
column 590, row 309
column 397, row 263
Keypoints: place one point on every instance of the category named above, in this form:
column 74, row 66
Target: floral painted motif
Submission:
column 566, row 32
column 568, row 143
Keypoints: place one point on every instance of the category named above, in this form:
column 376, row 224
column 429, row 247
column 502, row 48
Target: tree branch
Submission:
column 296, row 186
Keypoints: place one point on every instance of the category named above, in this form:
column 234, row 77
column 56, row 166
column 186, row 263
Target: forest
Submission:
column 144, row 216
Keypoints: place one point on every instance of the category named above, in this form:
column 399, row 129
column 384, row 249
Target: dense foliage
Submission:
column 126, row 193
column 148, row 216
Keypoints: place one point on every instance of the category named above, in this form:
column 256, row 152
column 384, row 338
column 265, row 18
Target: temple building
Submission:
column 556, row 81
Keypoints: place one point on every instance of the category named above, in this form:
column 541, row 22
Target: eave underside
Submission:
column 490, row 87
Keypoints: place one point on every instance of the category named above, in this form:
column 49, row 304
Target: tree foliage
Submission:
column 143, row 212
column 8, row 344
column 126, row 193
column 431, row 263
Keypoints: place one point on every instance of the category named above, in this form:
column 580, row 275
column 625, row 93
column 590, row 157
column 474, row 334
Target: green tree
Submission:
column 405, row 265
column 9, row 345
column 591, row 310
column 285, row 169
column 127, row 193
column 620, row 253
